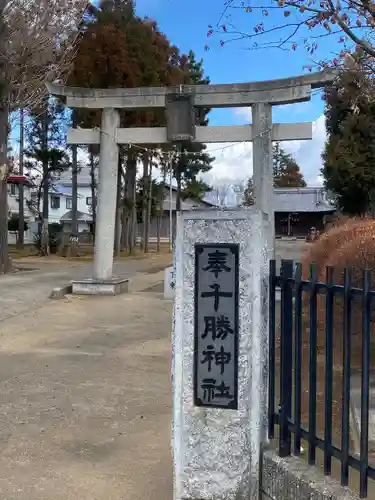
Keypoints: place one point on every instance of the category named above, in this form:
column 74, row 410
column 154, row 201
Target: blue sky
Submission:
column 186, row 22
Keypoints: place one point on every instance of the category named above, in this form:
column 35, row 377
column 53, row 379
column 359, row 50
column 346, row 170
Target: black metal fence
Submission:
column 298, row 326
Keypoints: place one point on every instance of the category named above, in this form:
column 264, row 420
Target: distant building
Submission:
column 169, row 208
column 299, row 209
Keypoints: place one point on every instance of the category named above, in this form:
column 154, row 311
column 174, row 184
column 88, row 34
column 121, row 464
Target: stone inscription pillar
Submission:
column 107, row 189
column 217, row 435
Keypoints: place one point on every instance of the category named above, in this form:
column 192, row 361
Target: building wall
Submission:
column 301, row 223
column 164, row 226
column 13, row 207
column 185, row 204
column 13, row 194
column 82, row 227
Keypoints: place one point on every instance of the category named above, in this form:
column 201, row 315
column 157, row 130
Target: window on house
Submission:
column 89, row 201
column 68, row 203
column 55, row 202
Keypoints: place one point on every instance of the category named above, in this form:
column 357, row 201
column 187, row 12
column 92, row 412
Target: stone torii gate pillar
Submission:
column 179, row 103
column 107, row 195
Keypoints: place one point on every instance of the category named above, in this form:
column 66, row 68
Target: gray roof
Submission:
column 309, row 199
column 80, row 215
column 83, row 177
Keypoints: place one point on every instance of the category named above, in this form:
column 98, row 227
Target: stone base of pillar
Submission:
column 92, row 286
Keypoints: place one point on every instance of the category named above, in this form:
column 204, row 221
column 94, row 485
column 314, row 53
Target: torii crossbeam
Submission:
column 179, row 102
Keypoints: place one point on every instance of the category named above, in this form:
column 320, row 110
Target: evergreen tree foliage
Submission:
column 286, row 174
column 119, row 49
column 45, row 155
column 349, row 155
column 195, row 159
column 157, row 194
column 286, row 171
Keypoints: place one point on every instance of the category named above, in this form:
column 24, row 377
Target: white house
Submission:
column 60, row 207
column 14, row 182
column 61, row 201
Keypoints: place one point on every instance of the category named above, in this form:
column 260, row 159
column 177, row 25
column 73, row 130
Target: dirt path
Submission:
column 85, row 399
column 25, row 292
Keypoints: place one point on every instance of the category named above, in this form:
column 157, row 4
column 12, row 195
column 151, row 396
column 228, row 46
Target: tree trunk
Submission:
column 133, row 239
column 145, row 160
column 45, row 212
column 5, row 262
column 158, row 227
column 149, row 207
column 129, row 205
column 117, row 243
column 160, row 208
column 126, row 210
column 21, row 208
column 74, row 243
column 93, row 193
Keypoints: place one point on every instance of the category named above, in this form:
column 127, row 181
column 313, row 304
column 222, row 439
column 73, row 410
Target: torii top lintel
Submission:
column 282, row 91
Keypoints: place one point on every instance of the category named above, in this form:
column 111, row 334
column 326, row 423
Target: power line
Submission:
column 172, row 153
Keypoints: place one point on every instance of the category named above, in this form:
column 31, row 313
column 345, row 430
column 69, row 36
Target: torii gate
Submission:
column 180, row 103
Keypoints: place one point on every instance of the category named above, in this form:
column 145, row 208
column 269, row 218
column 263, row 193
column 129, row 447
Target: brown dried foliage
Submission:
column 321, row 251
column 114, row 54
column 349, row 246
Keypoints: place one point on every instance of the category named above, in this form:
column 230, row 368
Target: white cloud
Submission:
column 291, row 111
column 244, row 113
column 234, row 162
column 308, row 153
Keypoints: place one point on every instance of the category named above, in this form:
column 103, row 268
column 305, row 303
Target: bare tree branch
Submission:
column 41, row 41
column 354, row 19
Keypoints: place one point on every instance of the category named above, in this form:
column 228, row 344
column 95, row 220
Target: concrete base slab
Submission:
column 60, row 291
column 356, row 416
column 91, row 286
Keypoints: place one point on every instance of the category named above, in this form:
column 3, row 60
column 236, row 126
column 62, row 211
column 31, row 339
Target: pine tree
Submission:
column 286, row 171
column 134, row 53
column 349, row 155
column 45, row 156
column 194, row 160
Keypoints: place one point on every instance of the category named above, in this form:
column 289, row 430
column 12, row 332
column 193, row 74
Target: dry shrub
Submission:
column 352, row 246
column 322, row 250
column 336, row 220
column 357, row 255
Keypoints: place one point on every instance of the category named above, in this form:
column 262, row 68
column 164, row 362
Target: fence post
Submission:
column 271, row 350
column 286, row 356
